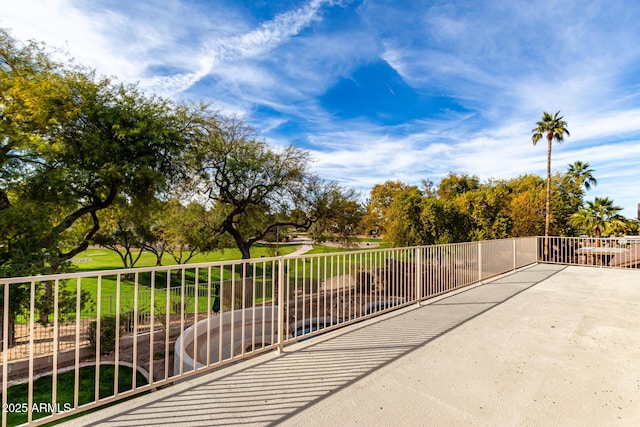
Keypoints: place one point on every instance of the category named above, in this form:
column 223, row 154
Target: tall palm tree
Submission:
column 553, row 128
column 598, row 217
column 582, row 175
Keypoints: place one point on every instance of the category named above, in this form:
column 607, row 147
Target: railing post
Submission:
column 5, row 349
column 281, row 305
column 479, row 262
column 515, row 260
column 418, row 275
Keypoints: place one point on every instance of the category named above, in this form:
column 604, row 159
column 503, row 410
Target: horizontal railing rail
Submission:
column 130, row 331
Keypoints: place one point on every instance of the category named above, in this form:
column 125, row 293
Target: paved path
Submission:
column 548, row 345
column 306, row 247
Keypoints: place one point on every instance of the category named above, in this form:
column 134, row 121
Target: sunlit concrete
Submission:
column 549, row 345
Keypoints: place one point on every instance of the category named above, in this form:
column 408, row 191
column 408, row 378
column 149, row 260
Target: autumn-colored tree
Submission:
column 404, row 226
column 377, row 215
column 453, row 185
column 526, row 205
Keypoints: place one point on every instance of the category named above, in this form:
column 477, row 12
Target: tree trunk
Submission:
column 243, row 245
column 46, row 304
column 245, row 250
column 547, row 214
column 11, row 328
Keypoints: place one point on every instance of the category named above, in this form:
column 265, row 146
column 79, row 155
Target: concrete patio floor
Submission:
column 549, row 345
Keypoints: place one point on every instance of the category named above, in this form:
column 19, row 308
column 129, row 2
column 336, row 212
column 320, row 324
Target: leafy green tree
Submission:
column 454, row 185
column 443, row 222
column 461, row 209
column 381, row 196
column 526, row 205
column 462, row 196
column 633, row 226
column 185, row 231
column 70, row 144
column 405, row 226
column 566, row 199
column 551, row 127
column 254, row 188
column 126, row 229
column 487, row 206
column 599, row 217
column 341, row 215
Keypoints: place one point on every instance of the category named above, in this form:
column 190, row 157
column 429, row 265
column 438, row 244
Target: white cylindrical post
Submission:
column 418, row 258
column 281, row 304
column 480, row 262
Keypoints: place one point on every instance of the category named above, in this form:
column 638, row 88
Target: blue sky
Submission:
column 383, row 90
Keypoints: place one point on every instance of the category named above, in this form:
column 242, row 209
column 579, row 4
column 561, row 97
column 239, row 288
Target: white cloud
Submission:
column 72, row 30
column 606, row 124
column 126, row 46
column 504, row 62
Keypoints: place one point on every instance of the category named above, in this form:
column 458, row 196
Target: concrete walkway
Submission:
column 548, row 346
column 306, row 247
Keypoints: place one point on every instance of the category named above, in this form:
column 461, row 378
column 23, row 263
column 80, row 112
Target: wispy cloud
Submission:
column 228, row 57
column 478, row 74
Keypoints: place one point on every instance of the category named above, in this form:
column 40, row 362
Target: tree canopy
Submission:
column 87, row 160
column 462, row 208
column 71, row 143
column 255, row 188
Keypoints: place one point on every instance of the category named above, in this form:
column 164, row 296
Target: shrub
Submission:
column 108, row 327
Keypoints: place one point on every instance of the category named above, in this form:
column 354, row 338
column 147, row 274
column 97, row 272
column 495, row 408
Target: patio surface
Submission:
column 548, row 345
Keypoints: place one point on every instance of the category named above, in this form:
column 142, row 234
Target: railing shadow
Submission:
column 269, row 393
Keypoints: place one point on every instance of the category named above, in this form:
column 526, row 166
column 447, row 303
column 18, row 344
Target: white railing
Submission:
column 616, row 252
column 170, row 323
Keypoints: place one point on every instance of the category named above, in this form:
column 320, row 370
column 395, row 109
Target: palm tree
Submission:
column 598, row 217
column 582, row 175
column 553, row 127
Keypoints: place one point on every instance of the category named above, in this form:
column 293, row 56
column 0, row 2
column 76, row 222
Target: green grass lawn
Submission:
column 105, row 259
column 42, row 387
column 100, row 259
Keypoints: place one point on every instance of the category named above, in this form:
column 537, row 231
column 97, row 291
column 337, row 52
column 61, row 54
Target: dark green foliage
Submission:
column 108, row 328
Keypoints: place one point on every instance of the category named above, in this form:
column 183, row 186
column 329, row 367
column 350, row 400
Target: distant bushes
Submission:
column 108, row 328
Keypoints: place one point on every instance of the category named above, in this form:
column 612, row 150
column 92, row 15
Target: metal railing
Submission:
column 614, row 252
column 171, row 323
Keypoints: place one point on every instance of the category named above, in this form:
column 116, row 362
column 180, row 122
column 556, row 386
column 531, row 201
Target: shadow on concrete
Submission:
column 270, row 392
